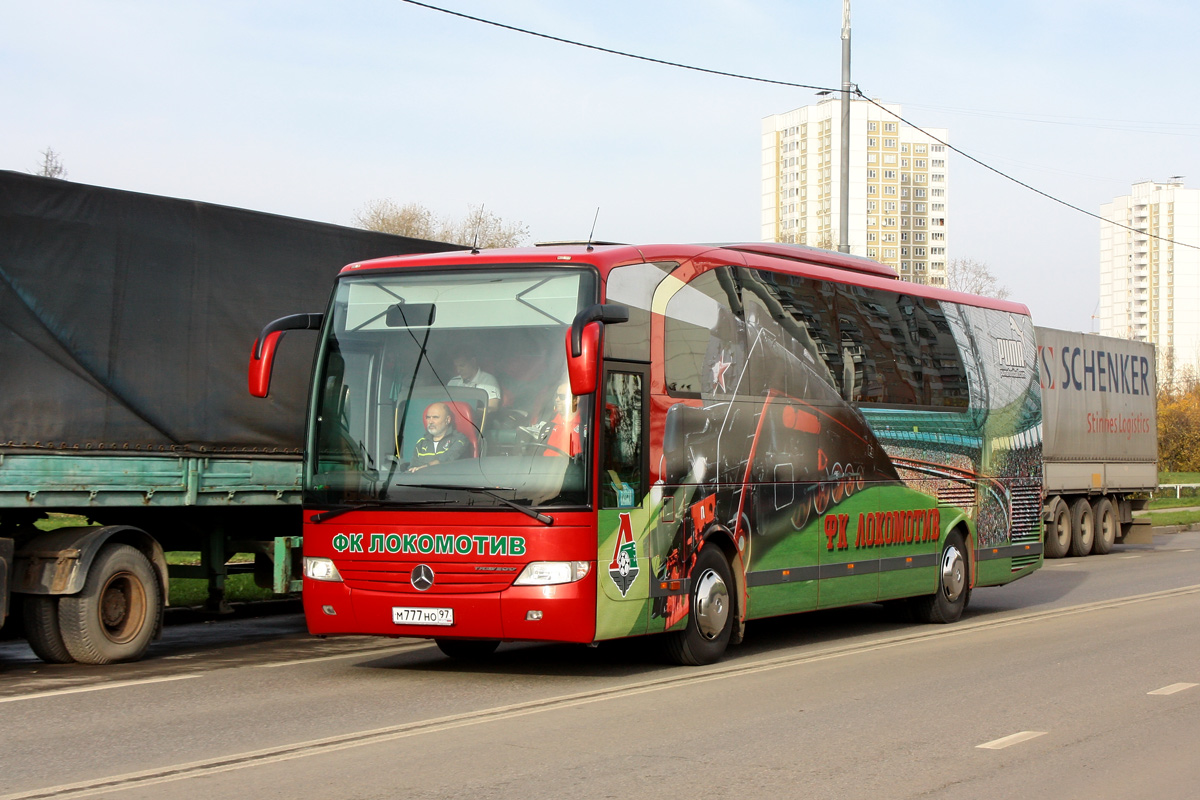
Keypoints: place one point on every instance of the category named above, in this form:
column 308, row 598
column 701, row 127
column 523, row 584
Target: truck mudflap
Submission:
column 559, row 613
column 57, row 562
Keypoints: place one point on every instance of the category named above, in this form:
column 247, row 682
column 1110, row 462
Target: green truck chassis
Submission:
column 147, row 504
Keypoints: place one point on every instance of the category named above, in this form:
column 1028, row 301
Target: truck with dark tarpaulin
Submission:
column 124, row 319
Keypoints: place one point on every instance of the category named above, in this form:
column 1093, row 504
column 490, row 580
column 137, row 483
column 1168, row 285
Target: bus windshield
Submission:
column 450, row 388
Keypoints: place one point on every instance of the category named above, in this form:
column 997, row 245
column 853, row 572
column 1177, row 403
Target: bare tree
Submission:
column 480, row 228
column 413, row 220
column 51, row 166
column 974, row 277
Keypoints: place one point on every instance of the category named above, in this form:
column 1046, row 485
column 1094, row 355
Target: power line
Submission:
column 755, row 79
column 621, row 53
column 1019, row 182
column 1185, row 129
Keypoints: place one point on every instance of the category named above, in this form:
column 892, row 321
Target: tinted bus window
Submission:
column 633, row 287
column 798, row 312
column 703, row 338
column 902, row 350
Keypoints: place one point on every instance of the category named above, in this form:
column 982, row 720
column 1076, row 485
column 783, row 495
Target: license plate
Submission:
column 406, row 615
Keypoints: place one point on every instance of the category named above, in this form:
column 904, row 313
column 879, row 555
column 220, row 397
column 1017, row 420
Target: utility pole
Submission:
column 844, row 205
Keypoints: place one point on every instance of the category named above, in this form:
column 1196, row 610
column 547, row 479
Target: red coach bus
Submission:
column 575, row 443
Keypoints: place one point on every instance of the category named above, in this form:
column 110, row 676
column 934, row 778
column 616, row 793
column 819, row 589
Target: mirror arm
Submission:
column 609, row 314
column 293, row 322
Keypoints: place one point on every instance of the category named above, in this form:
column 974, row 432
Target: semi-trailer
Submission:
column 124, row 319
column 1100, row 438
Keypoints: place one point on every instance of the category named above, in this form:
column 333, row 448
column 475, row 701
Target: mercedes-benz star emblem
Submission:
column 422, row 577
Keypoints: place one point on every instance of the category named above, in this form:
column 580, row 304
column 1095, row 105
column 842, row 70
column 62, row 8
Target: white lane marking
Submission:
column 370, row 652
column 1009, row 741
column 98, row 687
column 178, row 772
column 1189, row 550
column 1138, row 555
column 1173, row 688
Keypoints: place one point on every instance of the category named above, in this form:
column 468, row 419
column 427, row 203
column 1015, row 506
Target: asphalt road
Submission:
column 1078, row 681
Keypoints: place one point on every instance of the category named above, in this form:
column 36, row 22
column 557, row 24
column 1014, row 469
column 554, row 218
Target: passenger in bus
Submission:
column 442, row 442
column 562, row 435
column 471, row 376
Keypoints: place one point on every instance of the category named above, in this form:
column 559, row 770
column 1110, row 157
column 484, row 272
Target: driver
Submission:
column 471, row 376
column 442, row 441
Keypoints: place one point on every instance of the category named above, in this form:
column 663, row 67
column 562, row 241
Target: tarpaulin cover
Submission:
column 126, row 320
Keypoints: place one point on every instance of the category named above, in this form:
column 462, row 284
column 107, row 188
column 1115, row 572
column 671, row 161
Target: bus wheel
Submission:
column 710, row 621
column 1083, row 527
column 954, row 586
column 114, row 617
column 1058, row 529
column 1104, row 520
column 468, row 649
column 40, row 614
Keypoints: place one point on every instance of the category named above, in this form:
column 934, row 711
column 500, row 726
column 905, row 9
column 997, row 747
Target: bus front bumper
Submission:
column 559, row 613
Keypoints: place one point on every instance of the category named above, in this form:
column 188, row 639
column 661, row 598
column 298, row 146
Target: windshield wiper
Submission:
column 337, row 512
column 545, row 519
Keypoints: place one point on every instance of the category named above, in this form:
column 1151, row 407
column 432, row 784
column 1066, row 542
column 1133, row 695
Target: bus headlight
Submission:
column 320, row 569
column 547, row 573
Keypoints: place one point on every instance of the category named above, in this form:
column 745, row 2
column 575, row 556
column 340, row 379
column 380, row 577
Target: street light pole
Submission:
column 844, row 204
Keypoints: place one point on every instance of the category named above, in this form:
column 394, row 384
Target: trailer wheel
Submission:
column 467, row 649
column 40, row 614
column 114, row 617
column 711, row 612
column 1104, row 517
column 1058, row 530
column 954, row 586
column 1083, row 528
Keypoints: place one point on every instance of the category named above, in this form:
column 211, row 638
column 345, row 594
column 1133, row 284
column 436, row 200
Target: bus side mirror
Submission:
column 262, row 355
column 583, row 345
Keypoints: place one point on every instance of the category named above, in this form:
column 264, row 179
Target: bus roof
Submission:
column 604, row 256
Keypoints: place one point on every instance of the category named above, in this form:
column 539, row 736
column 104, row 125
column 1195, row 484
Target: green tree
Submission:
column 1179, row 425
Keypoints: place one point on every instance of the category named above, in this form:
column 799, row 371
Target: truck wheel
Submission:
column 1083, row 528
column 711, row 612
column 40, row 614
column 114, row 617
column 954, row 586
column 1104, row 516
column 468, row 649
column 1058, row 529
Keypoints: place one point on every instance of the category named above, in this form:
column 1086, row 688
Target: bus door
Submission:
column 628, row 512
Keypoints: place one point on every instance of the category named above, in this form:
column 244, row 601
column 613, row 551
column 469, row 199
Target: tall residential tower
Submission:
column 1149, row 285
column 898, row 186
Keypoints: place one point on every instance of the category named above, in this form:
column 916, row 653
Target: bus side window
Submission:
column 622, row 476
column 704, row 337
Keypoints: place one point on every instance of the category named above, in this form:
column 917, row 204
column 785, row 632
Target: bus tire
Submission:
column 467, row 649
column 711, row 612
column 40, row 614
column 1083, row 527
column 116, row 614
column 1058, row 529
column 954, row 586
column 1106, row 524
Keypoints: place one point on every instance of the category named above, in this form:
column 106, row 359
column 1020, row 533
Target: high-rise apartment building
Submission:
column 898, row 186
column 1149, row 276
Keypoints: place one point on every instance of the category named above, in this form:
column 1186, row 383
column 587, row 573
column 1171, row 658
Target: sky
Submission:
column 314, row 109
